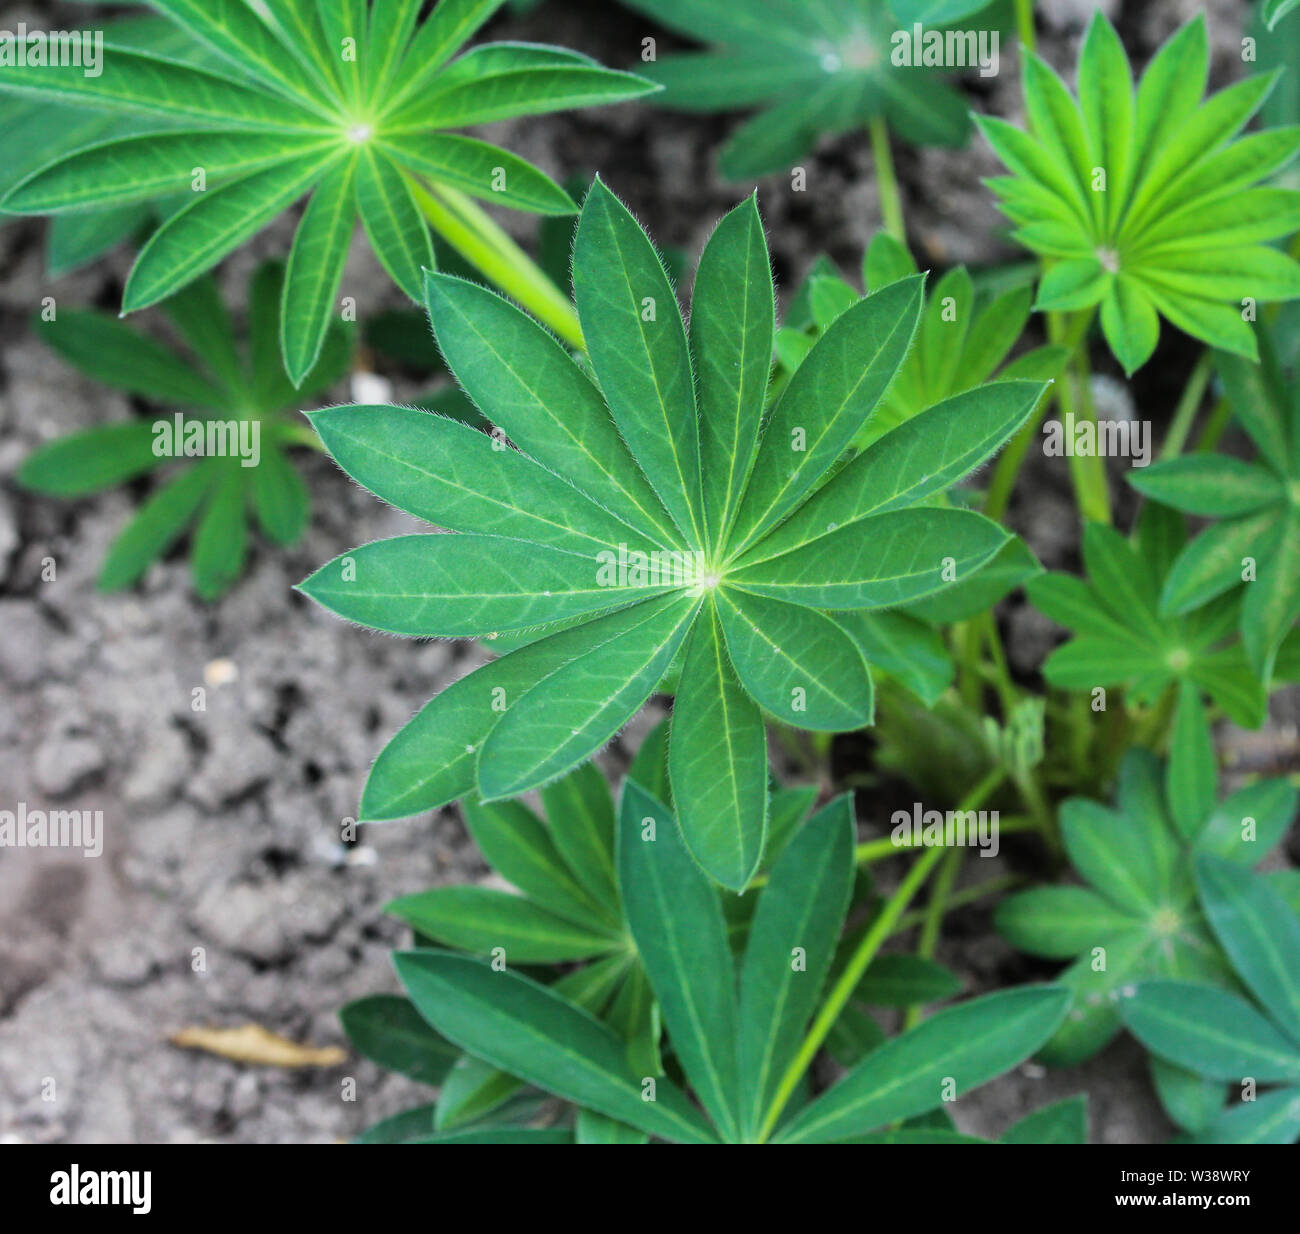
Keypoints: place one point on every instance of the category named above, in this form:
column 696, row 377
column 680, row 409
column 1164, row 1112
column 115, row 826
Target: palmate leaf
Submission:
column 1122, row 636
column 273, row 111
column 215, row 497
column 1141, row 204
column 812, row 69
column 1257, row 540
column 1138, row 919
column 591, row 546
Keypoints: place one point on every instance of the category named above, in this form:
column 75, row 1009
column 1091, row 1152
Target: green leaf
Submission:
column 796, row 663
column 315, row 270
column 968, row 1044
column 116, row 355
column 580, row 812
column 1193, row 769
column 481, row 920
column 157, row 525
column 921, row 457
column 1059, row 923
column 717, row 760
column 526, row 1029
column 516, row 844
column 673, row 913
column 1272, row 11
column 573, row 711
column 1249, row 822
column 1272, row 602
column 1208, row 1031
column 905, row 648
column 904, row 555
column 1208, row 484
column 638, row 349
column 389, row 1031
column 458, row 585
column 836, row 388
column 397, row 230
column 791, row 945
column 1260, row 933
column 198, row 236
column 431, row 760
column 280, row 497
column 1273, row 1118
column 1190, row 1100
column 90, row 461
column 1111, row 854
column 482, row 170
column 1063, row 1122
column 403, row 1128
column 221, row 538
column 593, row 1128
column 525, row 382
column 905, row 980
column 449, row 474
column 732, row 328
column 73, row 241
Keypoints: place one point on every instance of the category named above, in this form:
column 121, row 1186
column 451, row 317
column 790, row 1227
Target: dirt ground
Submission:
column 222, row 826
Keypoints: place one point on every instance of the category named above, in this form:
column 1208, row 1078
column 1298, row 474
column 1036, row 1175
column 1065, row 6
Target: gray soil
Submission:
column 222, row 825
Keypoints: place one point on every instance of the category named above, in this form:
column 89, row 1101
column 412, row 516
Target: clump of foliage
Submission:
column 216, row 495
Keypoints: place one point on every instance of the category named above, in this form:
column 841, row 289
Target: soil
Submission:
column 224, row 895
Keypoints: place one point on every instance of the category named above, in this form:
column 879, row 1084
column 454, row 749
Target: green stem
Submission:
column 935, row 908
column 1151, row 730
column 891, row 204
column 473, row 233
column 1215, row 424
column 886, row 846
column 881, row 928
column 1012, row 459
column 1025, row 23
column 1188, row 405
column 1006, row 688
column 990, row 886
column 1088, row 472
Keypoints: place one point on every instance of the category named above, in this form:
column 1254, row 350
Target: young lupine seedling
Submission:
column 640, row 519
column 962, row 340
column 1122, row 635
column 350, row 103
column 1256, row 539
column 1219, row 1035
column 1137, row 916
column 1142, row 203
column 737, row 1029
column 232, row 452
column 809, row 69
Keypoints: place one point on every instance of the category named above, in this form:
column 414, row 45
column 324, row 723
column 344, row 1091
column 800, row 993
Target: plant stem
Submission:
column 880, row 930
column 1074, row 399
column 1151, row 731
column 885, row 847
column 935, row 908
column 990, row 886
column 1008, row 466
column 1214, row 425
column 473, row 233
column 891, row 204
column 1025, row 23
column 1188, row 405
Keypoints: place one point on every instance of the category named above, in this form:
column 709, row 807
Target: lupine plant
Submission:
column 783, row 518
column 348, row 103
column 688, row 525
column 248, row 397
